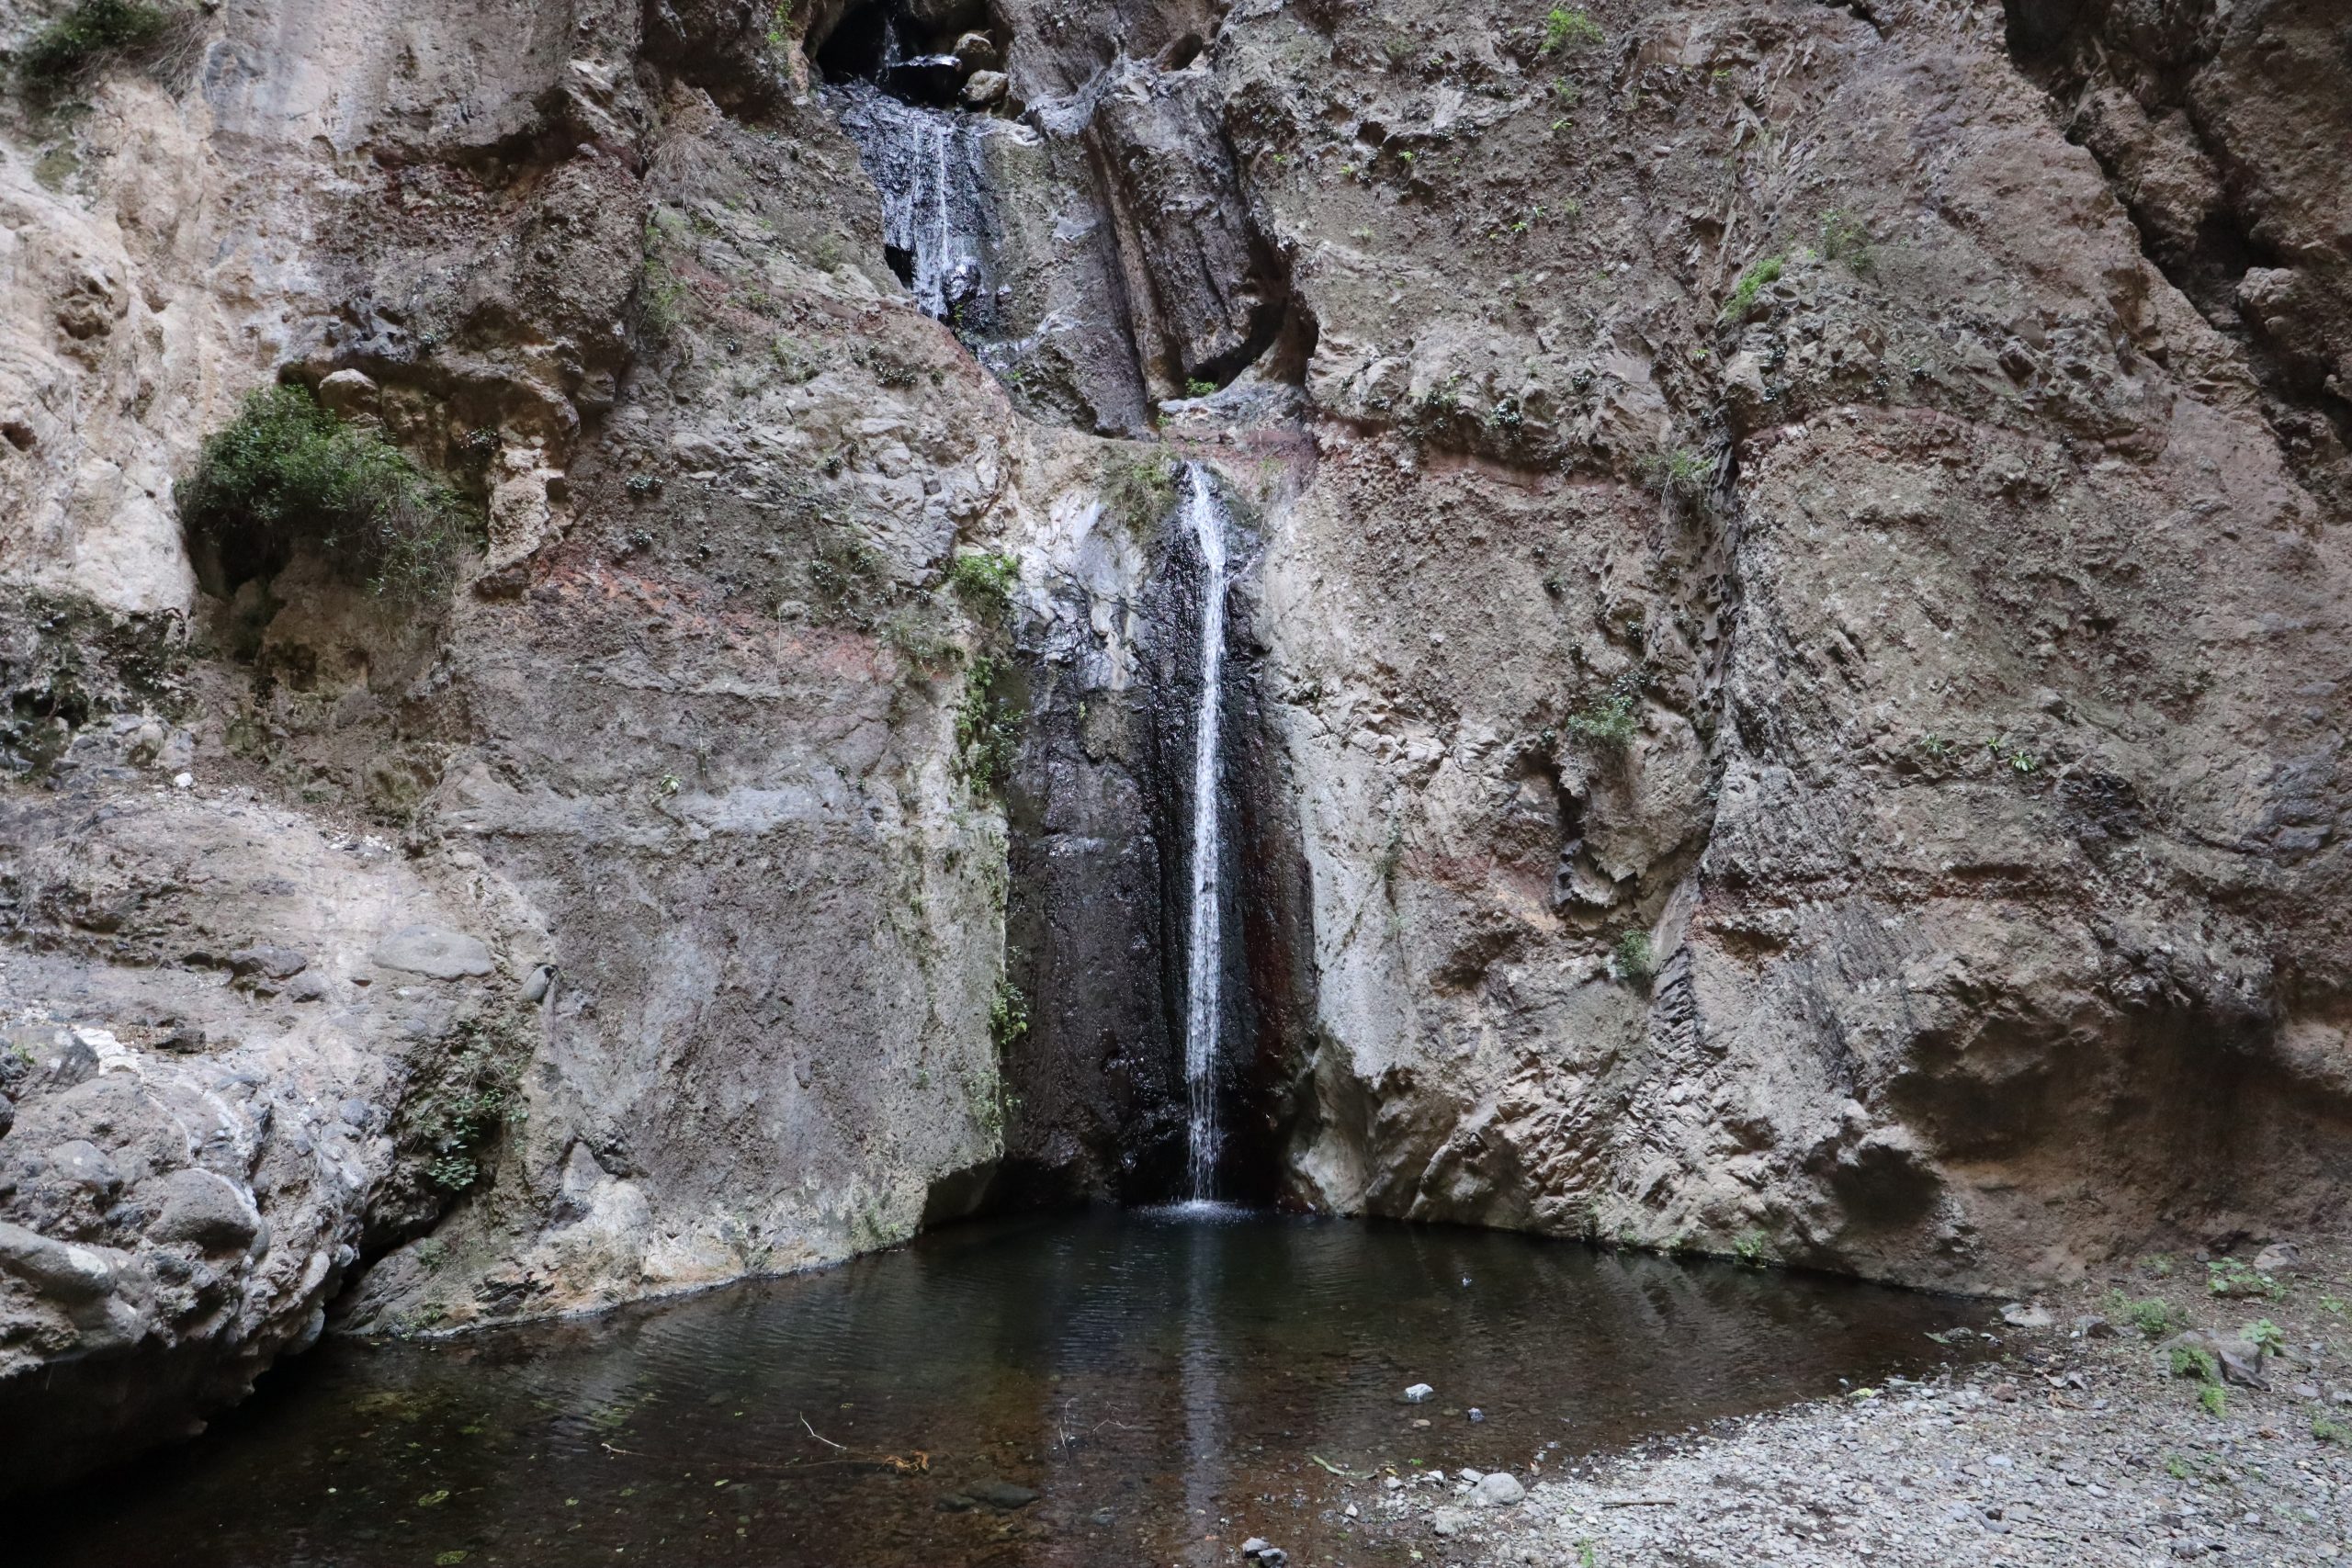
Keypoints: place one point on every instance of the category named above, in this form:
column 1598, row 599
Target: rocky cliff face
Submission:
column 1790, row 644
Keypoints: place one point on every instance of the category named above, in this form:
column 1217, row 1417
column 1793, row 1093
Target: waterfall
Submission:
column 1205, row 515
column 935, row 210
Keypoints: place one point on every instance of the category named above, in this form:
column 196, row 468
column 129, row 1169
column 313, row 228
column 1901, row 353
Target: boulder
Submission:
column 985, row 89
column 434, row 953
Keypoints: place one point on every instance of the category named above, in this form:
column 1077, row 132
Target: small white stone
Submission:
column 182, row 781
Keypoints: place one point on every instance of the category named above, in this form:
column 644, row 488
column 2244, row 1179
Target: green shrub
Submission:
column 2266, row 1336
column 984, row 579
column 1564, row 29
column 88, row 38
column 286, row 471
column 2215, row 1400
column 1759, row 276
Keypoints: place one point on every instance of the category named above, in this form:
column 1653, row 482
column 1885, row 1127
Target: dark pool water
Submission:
column 1165, row 1382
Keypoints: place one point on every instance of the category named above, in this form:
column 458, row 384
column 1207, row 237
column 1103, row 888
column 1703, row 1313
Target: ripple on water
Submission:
column 1159, row 1377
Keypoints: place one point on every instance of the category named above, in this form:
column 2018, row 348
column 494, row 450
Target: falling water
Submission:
column 935, row 213
column 1206, row 517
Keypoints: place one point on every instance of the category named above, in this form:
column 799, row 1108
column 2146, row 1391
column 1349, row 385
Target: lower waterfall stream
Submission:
column 1145, row 1386
column 1206, row 522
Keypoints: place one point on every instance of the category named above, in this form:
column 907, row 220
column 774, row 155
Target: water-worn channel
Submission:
column 1165, row 1383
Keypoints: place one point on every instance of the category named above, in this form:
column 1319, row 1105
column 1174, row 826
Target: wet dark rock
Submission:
column 1002, row 1495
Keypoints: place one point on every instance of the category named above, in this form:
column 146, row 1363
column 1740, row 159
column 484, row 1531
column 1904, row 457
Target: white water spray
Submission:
column 1206, row 517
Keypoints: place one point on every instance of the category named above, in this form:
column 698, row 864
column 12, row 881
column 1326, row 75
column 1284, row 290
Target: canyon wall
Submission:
column 1790, row 647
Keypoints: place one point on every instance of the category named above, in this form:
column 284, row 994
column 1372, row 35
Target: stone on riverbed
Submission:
column 1498, row 1490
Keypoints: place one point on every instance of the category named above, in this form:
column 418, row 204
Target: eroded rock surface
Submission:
column 1790, row 655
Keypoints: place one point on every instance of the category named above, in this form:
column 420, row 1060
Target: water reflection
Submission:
column 1165, row 1382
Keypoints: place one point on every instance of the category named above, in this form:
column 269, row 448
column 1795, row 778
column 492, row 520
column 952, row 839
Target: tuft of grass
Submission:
column 983, row 581
column 1139, row 488
column 2327, row 1429
column 90, row 37
column 1843, row 240
column 1758, row 276
column 1565, row 28
column 2215, row 1399
column 286, row 471
column 1680, row 471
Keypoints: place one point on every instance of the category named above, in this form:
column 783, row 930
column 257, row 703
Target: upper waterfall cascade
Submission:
column 935, row 215
column 1205, row 516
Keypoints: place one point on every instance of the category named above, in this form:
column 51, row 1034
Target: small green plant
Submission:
column 1200, row 388
column 2195, row 1361
column 1139, row 488
column 2159, row 1263
column 1753, row 1249
column 1585, row 1556
column 2334, row 1305
column 1008, row 1015
column 780, row 24
column 2265, row 1336
column 1611, row 721
column 2328, row 1430
column 2230, row 1277
column 2215, row 1400
column 2154, row 1319
column 477, row 1093
column 2179, row 1468
column 285, row 471
column 1935, row 746
column 88, row 38
column 983, row 581
column 1563, row 28
column 988, row 727
column 1634, row 960
column 1758, row 276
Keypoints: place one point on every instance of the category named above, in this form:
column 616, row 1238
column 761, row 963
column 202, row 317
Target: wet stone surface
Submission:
column 1152, row 1386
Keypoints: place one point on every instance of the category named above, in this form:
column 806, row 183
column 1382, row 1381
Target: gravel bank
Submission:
column 2079, row 1445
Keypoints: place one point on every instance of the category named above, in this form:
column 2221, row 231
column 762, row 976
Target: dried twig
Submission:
column 819, row 1436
